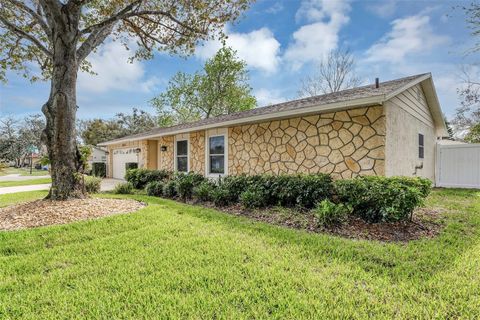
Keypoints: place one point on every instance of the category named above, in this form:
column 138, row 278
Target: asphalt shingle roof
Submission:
column 341, row 96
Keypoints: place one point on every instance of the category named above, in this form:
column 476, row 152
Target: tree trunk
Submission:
column 60, row 112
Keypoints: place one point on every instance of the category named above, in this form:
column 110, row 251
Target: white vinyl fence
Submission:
column 458, row 166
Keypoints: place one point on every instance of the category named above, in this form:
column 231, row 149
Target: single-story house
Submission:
column 386, row 128
column 99, row 154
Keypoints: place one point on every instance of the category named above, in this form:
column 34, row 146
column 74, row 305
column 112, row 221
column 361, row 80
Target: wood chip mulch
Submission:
column 46, row 212
column 426, row 223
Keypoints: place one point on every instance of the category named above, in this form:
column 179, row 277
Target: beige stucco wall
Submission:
column 407, row 115
column 345, row 144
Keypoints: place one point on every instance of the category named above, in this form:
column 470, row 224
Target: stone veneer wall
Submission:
column 344, row 144
column 197, row 152
column 166, row 157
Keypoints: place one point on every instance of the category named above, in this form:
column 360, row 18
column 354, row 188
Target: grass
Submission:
column 24, row 182
column 13, row 198
column 171, row 260
column 24, row 172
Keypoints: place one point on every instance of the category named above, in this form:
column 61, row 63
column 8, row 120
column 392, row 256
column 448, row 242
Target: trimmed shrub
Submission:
column 185, row 182
column 140, row 177
column 204, row 191
column 299, row 190
column 92, row 184
column 221, row 197
column 155, row 188
column 329, row 213
column 123, row 188
column 99, row 169
column 170, row 189
column 377, row 199
column 253, row 198
column 303, row 190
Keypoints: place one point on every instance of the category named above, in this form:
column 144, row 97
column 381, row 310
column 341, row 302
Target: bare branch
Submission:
column 19, row 32
column 336, row 72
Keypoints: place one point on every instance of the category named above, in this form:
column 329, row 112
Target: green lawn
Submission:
column 178, row 261
column 24, row 182
column 24, row 172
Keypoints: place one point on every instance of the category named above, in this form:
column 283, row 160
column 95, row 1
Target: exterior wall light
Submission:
column 163, row 148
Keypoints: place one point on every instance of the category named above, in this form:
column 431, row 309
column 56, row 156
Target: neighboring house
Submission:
column 99, row 154
column 388, row 128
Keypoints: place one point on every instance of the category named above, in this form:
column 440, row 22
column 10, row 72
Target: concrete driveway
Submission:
column 107, row 185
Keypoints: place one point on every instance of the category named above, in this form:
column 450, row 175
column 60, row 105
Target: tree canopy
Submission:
column 220, row 88
column 94, row 131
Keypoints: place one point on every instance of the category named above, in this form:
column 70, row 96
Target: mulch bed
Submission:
column 46, row 212
column 426, row 223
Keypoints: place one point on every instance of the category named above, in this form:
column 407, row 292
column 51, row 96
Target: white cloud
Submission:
column 383, row 9
column 313, row 42
column 276, row 8
column 267, row 97
column 409, row 35
column 258, row 48
column 114, row 72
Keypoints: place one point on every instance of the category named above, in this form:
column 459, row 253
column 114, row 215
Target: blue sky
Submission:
column 282, row 41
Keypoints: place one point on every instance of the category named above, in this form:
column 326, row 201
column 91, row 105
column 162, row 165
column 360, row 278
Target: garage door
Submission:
column 120, row 158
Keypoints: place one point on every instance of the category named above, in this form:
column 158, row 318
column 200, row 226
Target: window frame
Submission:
column 222, row 132
column 180, row 139
column 421, row 146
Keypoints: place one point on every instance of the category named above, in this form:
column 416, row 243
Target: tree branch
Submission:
column 165, row 14
column 92, row 42
column 36, row 16
column 25, row 35
column 120, row 15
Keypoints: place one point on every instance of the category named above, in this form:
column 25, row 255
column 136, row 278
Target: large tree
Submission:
column 220, row 88
column 59, row 35
column 334, row 73
column 94, row 131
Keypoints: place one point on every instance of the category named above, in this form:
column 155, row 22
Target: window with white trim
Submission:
column 182, row 155
column 421, row 146
column 216, row 154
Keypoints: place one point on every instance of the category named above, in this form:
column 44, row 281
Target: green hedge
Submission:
column 300, row 190
column 377, row 199
column 99, row 169
column 139, row 178
column 372, row 198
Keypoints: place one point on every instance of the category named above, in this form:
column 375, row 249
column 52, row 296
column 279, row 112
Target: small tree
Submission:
column 336, row 72
column 473, row 135
column 221, row 88
column 468, row 114
column 59, row 35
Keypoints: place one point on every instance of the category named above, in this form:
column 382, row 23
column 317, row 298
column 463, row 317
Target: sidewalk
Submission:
column 35, row 187
column 107, row 185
